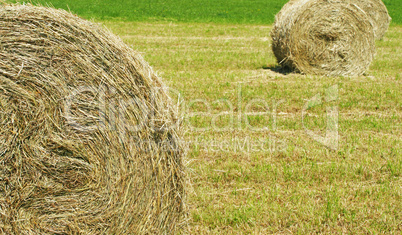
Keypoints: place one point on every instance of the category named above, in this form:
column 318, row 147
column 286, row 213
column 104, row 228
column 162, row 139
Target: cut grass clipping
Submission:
column 89, row 141
column 323, row 37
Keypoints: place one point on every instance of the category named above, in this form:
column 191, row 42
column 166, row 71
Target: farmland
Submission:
column 254, row 164
column 288, row 183
column 202, row 11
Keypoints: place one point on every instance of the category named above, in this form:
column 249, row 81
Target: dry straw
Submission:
column 378, row 14
column 324, row 37
column 89, row 140
column 375, row 9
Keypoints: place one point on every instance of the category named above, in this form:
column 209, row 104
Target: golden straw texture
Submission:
column 378, row 14
column 375, row 9
column 89, row 139
column 323, row 37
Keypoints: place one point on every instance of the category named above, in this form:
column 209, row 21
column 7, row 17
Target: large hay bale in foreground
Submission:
column 88, row 140
column 324, row 37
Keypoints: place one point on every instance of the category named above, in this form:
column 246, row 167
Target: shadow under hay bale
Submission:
column 89, row 140
column 323, row 37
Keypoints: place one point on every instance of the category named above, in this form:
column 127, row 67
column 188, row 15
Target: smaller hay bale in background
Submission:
column 89, row 138
column 378, row 14
column 323, row 37
column 375, row 9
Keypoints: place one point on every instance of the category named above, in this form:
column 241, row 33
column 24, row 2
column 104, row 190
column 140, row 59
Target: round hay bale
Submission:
column 89, row 140
column 323, row 37
column 375, row 9
column 284, row 10
column 378, row 14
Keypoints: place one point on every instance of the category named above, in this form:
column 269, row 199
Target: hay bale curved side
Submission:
column 378, row 13
column 324, row 37
column 375, row 9
column 285, row 9
column 89, row 138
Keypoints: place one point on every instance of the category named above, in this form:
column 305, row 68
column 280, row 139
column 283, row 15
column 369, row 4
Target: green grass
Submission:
column 278, row 180
column 395, row 9
column 222, row 11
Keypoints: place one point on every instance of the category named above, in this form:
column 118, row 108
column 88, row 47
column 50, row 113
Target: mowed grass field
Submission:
column 253, row 164
column 246, row 179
